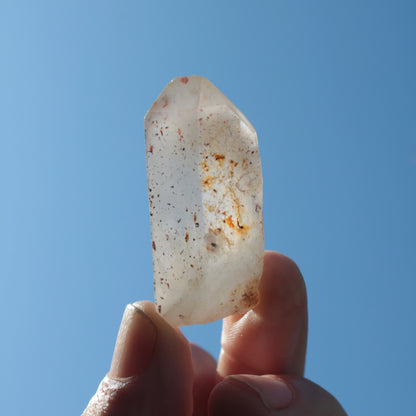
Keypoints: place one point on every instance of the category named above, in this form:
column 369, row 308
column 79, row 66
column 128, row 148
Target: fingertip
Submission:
column 281, row 283
column 135, row 344
column 146, row 306
column 272, row 337
column 281, row 260
column 275, row 392
column 171, row 362
column 144, row 333
column 312, row 399
column 149, row 309
column 150, row 358
column 263, row 395
column 228, row 398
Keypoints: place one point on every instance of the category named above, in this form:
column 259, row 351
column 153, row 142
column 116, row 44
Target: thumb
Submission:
column 151, row 371
column 272, row 395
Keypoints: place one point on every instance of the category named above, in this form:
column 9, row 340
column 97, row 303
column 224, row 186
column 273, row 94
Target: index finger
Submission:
column 271, row 338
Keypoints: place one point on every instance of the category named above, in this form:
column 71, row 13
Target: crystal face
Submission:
column 205, row 195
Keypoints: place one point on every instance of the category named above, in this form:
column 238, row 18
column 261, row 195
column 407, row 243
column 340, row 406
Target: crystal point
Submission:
column 205, row 196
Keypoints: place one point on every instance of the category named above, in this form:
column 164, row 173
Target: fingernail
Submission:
column 274, row 392
column 135, row 344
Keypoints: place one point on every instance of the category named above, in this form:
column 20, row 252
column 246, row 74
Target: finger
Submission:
column 271, row 338
column 271, row 395
column 151, row 371
column 205, row 367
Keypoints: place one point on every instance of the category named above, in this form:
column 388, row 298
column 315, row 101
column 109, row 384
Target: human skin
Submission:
column 156, row 371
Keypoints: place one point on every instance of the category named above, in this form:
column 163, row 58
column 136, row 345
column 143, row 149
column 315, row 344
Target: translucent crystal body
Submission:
column 205, row 195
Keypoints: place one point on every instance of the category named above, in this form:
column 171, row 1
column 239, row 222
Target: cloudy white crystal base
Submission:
column 205, row 195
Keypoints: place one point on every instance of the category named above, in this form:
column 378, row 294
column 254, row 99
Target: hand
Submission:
column 156, row 371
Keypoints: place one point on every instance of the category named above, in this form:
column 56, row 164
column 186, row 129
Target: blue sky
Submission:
column 330, row 88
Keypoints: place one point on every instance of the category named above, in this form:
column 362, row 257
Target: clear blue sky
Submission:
column 330, row 88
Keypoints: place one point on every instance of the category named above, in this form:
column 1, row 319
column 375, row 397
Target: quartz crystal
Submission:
column 205, row 195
